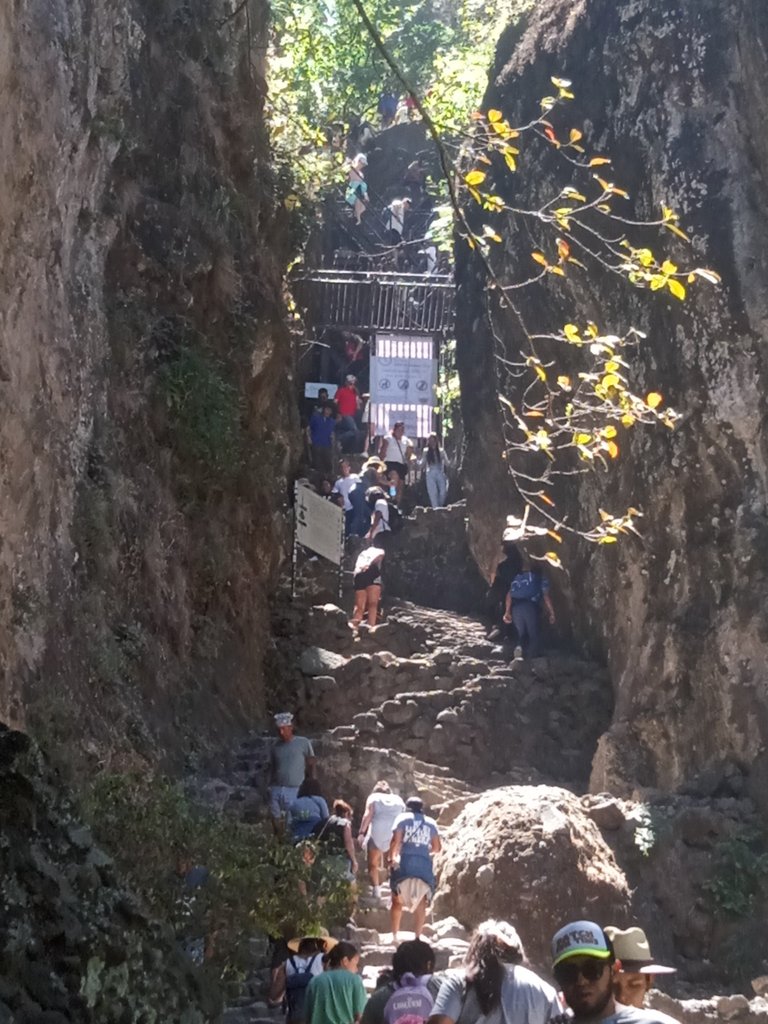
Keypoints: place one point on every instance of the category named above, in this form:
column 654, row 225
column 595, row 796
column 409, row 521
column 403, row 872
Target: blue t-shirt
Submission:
column 321, row 429
column 529, row 586
column 304, row 813
column 417, row 832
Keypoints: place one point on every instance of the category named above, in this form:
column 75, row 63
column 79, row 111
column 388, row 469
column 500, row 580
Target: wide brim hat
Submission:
column 631, row 947
column 374, row 463
column 322, row 933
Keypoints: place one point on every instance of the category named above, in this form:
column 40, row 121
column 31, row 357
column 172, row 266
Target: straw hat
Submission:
column 322, row 933
column 631, row 947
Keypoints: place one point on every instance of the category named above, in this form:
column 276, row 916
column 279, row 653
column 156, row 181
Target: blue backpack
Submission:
column 296, row 988
column 526, row 586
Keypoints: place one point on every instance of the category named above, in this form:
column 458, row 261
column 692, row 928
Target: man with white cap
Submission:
column 637, row 970
column 585, row 968
column 291, row 760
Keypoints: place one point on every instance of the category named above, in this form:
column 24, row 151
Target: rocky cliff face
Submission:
column 144, row 427
column 674, row 92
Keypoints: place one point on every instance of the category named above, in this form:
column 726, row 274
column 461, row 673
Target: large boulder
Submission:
column 549, row 863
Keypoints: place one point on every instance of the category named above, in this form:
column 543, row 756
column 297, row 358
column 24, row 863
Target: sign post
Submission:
column 319, row 526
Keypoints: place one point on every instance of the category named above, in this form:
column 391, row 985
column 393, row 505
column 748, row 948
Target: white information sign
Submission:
column 319, row 524
column 399, row 380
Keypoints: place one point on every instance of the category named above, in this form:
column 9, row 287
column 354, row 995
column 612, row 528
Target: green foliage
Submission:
column 449, row 388
column 204, row 411
column 739, row 878
column 156, row 833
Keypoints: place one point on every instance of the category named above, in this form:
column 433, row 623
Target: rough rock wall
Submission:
column 145, row 427
column 74, row 945
column 674, row 92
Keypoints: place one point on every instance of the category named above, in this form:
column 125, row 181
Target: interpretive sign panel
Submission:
column 319, row 524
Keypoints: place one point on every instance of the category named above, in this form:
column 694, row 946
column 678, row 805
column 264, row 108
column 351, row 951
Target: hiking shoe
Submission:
column 518, row 653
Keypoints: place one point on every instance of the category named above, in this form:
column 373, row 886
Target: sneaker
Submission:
column 518, row 655
column 494, row 633
column 376, row 892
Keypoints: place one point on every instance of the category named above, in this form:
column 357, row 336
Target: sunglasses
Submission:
column 567, row 973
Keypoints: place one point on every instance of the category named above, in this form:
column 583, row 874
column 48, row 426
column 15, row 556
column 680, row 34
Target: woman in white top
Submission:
column 381, row 809
column 367, row 583
column 397, row 451
column 435, row 463
column 379, row 506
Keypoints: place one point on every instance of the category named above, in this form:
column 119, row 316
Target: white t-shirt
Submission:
column 397, row 449
column 343, row 486
column 396, row 218
column 302, row 962
column 387, row 807
column 383, row 524
column 366, row 558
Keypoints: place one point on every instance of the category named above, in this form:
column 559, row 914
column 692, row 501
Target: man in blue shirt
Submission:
column 414, row 841
column 320, row 435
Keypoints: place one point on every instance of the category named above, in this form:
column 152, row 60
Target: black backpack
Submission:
column 330, row 833
column 296, row 988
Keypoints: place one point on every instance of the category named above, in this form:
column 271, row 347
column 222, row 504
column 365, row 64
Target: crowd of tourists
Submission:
column 600, row 973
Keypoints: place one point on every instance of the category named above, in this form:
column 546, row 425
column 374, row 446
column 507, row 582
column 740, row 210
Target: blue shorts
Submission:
column 280, row 799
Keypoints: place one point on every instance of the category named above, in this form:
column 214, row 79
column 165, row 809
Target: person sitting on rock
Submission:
column 414, row 958
column 637, row 969
column 528, row 591
column 307, row 811
column 415, row 839
column 367, row 583
column 382, row 809
column 337, row 996
column 585, row 968
column 291, row 760
column 494, row 985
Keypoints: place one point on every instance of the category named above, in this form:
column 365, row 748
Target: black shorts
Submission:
column 399, row 467
column 368, row 578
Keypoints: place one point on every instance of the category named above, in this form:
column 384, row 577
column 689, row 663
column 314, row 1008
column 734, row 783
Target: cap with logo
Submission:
column 632, row 948
column 283, row 718
column 580, row 938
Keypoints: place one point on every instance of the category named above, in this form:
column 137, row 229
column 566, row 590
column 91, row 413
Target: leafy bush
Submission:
column 740, row 873
column 256, row 883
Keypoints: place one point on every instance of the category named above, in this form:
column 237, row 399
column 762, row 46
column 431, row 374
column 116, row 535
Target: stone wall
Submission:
column 674, row 93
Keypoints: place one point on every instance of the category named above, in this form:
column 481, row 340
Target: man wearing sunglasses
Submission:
column 584, row 967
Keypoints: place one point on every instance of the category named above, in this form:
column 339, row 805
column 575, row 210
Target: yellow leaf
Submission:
column 576, row 135
column 677, row 289
column 563, row 249
column 613, row 449
column 475, row 177
column 611, row 367
column 570, row 193
column 571, row 331
column 657, row 281
column 610, row 380
column 555, row 536
column 597, row 161
column 566, row 94
column 494, row 115
column 561, row 83
column 556, row 270
column 677, row 231
column 553, row 559
column 607, row 540
column 541, row 372
column 668, row 214
column 534, row 414
column 609, row 432
column 592, row 330
column 547, row 500
column 627, row 419
column 582, row 438
column 653, row 400
column 539, row 257
column 510, row 161
column 565, row 383
column 667, row 267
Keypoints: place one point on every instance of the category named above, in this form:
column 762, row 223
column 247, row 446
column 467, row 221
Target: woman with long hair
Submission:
column 435, row 463
column 337, row 996
column 494, row 983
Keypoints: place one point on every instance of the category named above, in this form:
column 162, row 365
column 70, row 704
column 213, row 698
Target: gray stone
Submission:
column 760, row 985
column 80, row 836
column 317, row 661
column 485, row 875
column 395, row 712
column 729, row 1007
column 607, row 815
column 367, row 722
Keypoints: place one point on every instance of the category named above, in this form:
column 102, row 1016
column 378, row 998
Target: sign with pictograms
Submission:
column 319, row 524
